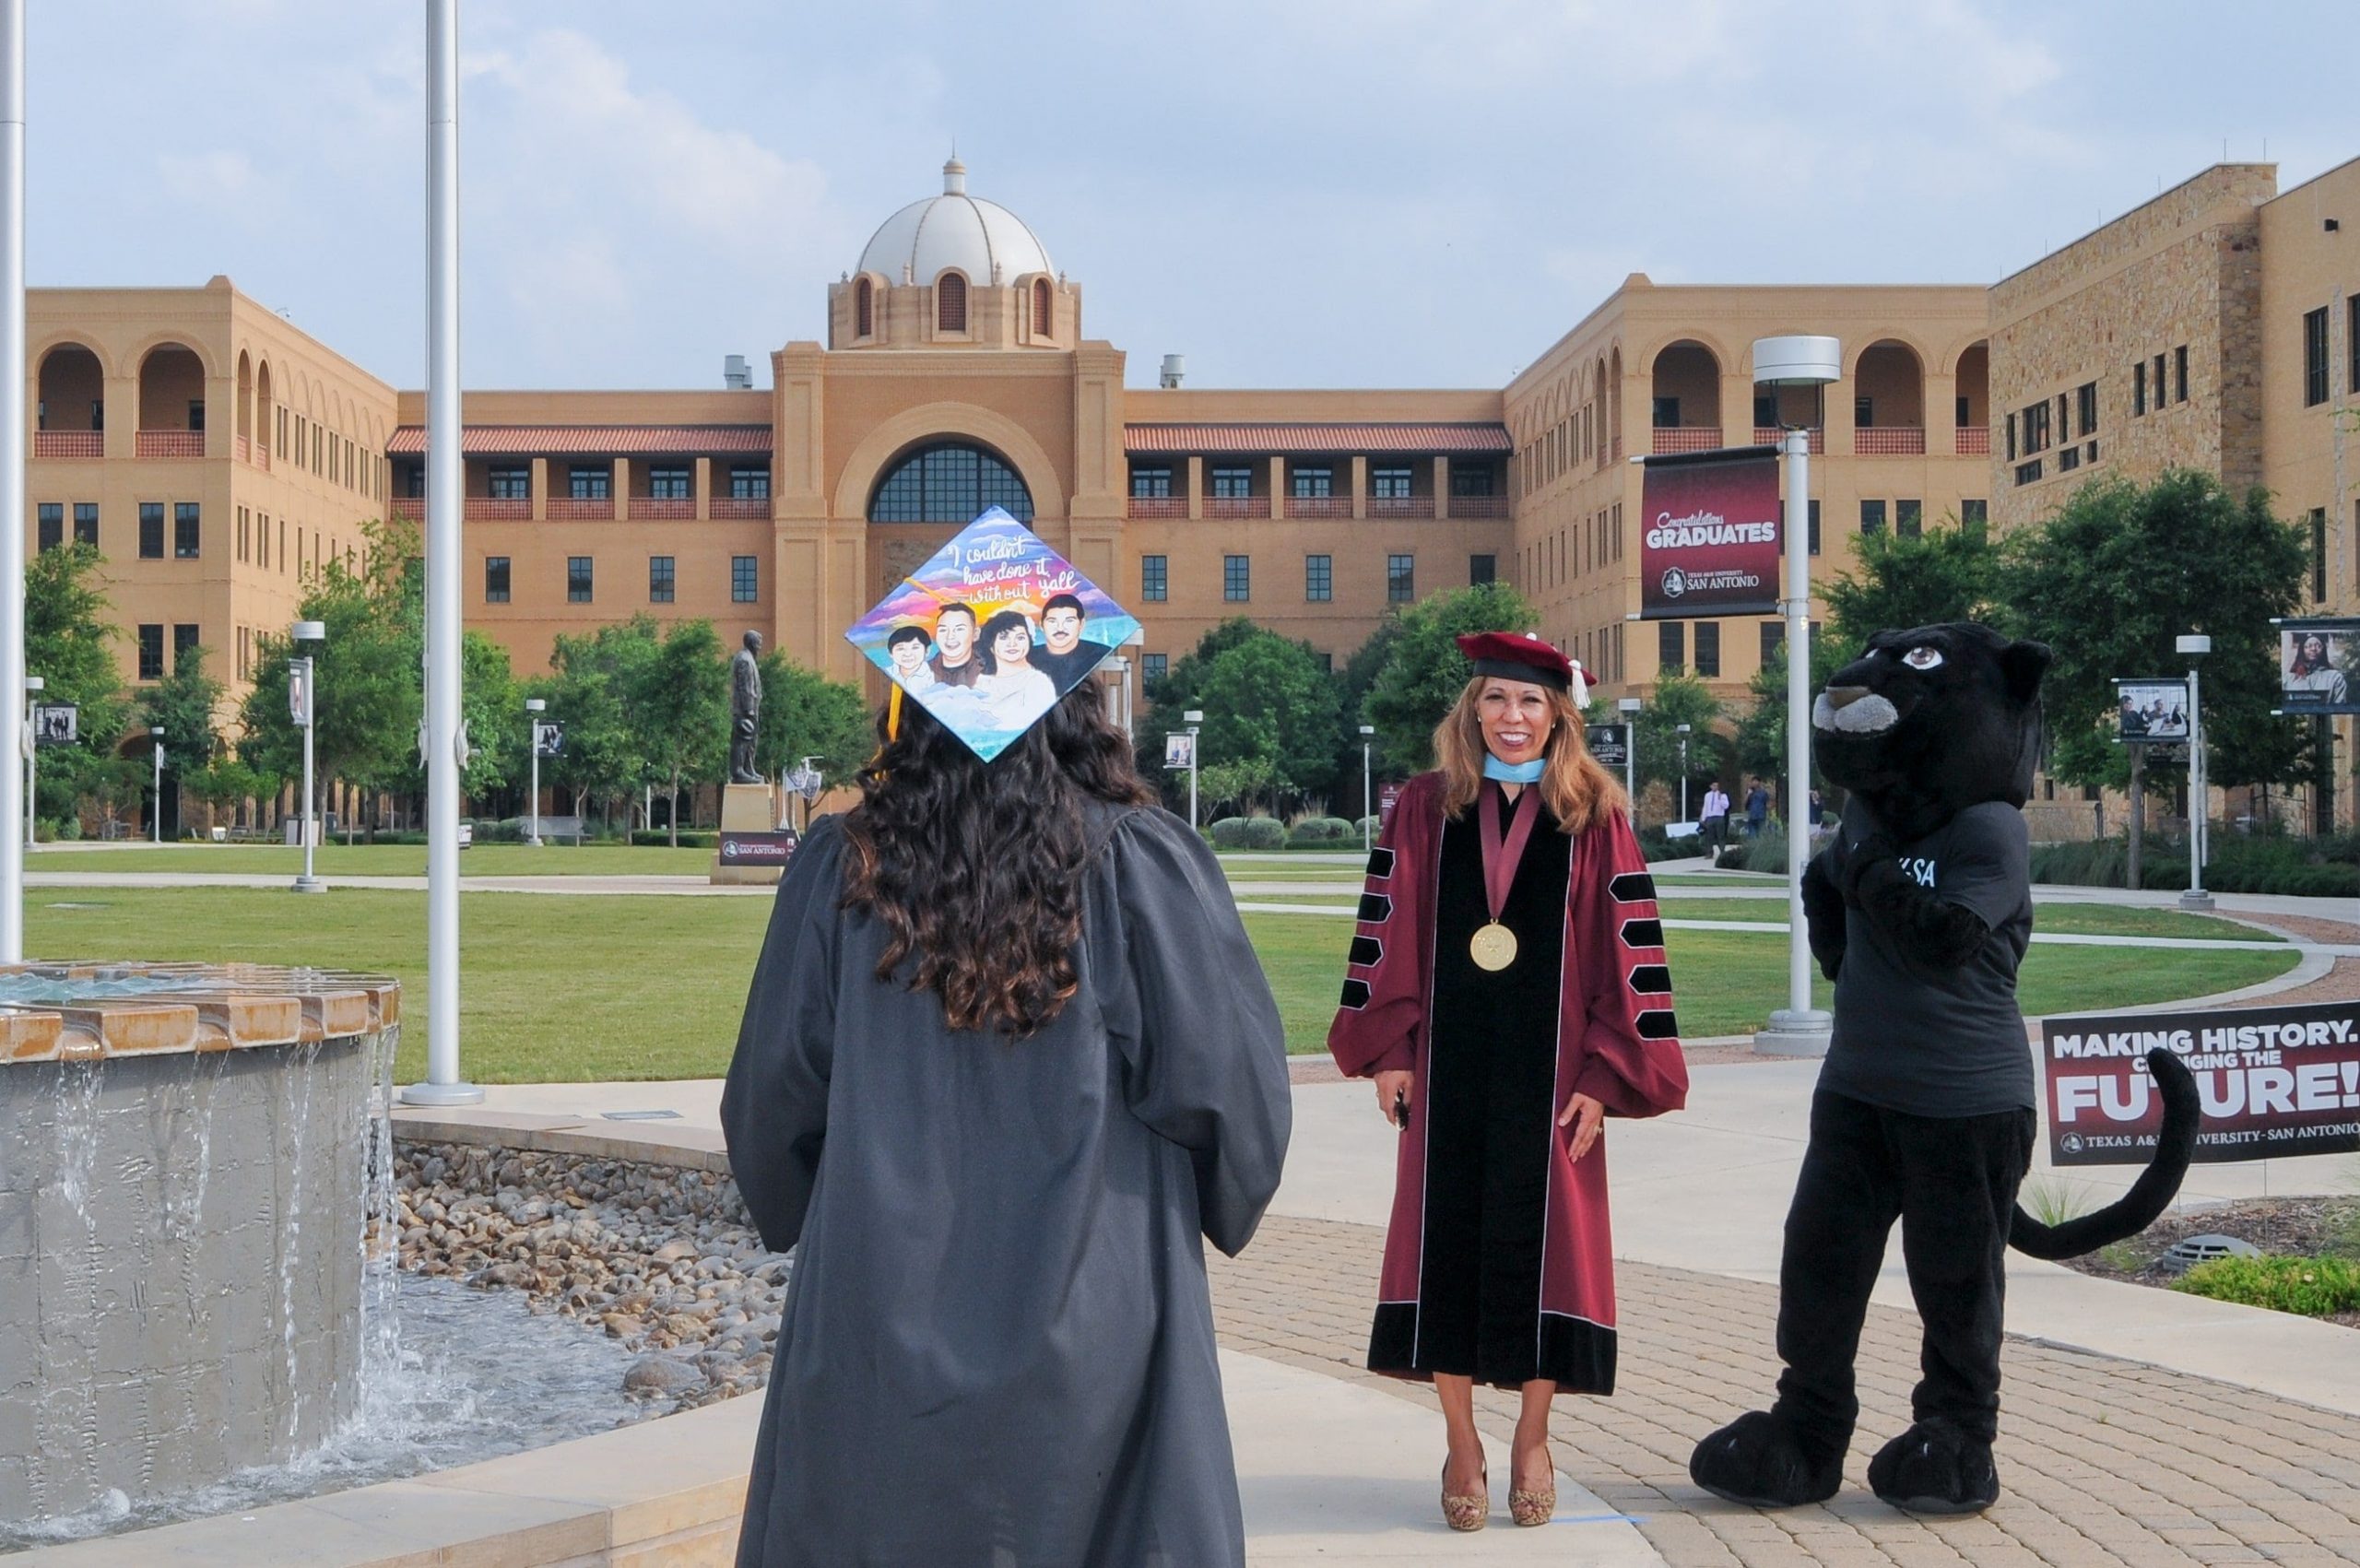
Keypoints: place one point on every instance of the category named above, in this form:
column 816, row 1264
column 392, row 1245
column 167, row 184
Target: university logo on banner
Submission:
column 1709, row 534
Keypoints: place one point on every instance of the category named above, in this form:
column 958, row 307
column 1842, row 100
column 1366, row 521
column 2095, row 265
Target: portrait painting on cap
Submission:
column 991, row 630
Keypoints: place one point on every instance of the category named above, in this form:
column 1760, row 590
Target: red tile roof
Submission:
column 589, row 441
column 1227, row 437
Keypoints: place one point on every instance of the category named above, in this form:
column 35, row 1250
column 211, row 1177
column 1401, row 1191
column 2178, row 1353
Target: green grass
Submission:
column 384, row 860
column 2058, row 919
column 561, row 989
column 2314, row 1287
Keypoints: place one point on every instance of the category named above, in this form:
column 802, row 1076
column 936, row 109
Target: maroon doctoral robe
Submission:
column 1498, row 1263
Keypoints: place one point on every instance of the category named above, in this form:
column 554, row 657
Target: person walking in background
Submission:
column 1757, row 809
column 1713, row 818
column 1509, row 994
column 998, row 1099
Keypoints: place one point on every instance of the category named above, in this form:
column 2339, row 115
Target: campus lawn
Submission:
column 652, row 987
column 2054, row 919
column 338, row 859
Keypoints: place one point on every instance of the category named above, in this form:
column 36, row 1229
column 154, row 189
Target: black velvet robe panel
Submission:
column 997, row 1347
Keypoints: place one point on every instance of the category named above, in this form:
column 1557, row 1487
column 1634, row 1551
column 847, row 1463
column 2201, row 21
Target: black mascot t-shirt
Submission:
column 1925, row 1041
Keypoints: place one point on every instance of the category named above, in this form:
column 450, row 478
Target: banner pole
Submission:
column 1798, row 1030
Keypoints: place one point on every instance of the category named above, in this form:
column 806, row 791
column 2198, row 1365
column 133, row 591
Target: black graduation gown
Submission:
column 997, row 1347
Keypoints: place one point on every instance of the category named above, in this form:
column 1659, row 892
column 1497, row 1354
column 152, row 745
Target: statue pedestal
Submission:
column 750, row 850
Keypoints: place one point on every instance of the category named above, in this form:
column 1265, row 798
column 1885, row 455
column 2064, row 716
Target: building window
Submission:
column 1708, row 648
column 1400, row 579
column 1236, row 578
column 950, row 303
column 1864, row 413
column 1045, row 319
column 2179, row 379
column 1974, row 517
column 586, row 482
column 1765, row 409
column 2037, row 428
column 1671, row 646
column 2138, row 392
column 1774, row 637
column 2319, row 553
column 511, row 484
column 2028, row 473
column 745, row 579
column 151, row 530
column 2067, row 459
column 1233, row 484
column 151, row 651
column 1151, row 670
column 495, row 580
column 1311, row 483
column 1154, row 587
column 1389, row 484
column 1667, row 413
column 659, row 579
column 1151, row 483
column 1482, row 569
column 185, row 531
column 2315, row 358
column 577, row 579
column 1810, row 543
column 86, row 523
column 750, row 482
column 949, row 484
column 183, row 638
column 2351, row 343
column 1962, row 412
column 864, row 308
column 667, row 484
column 1318, row 578
column 2086, row 396
column 1472, row 479
column 1908, row 518
column 1872, row 517
column 50, row 519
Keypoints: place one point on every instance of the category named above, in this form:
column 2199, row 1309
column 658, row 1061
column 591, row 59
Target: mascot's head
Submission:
column 1930, row 721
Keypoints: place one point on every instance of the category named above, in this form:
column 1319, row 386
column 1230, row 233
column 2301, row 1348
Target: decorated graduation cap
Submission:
column 1513, row 656
column 990, row 632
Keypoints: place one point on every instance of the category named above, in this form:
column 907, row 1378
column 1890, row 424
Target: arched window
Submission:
column 863, row 309
column 950, row 303
column 1042, row 321
column 951, row 482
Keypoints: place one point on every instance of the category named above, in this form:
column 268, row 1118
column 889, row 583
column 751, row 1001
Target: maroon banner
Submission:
column 2274, row 1081
column 1709, row 538
column 758, row 849
column 1386, row 794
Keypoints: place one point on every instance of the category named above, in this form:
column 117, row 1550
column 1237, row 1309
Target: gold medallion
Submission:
column 1493, row 945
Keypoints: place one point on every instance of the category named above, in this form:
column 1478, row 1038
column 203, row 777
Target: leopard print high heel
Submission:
column 1469, row 1511
column 1530, row 1508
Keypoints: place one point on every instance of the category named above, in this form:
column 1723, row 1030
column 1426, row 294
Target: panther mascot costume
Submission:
column 1919, row 911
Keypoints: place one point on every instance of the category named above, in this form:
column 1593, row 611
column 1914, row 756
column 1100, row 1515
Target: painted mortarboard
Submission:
column 1008, row 626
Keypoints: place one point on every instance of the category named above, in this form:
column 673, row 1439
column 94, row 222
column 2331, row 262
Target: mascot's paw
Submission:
column 1756, row 1460
column 1935, row 1468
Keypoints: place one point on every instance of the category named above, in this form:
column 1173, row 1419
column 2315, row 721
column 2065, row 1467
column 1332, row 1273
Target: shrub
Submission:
column 2266, row 862
column 1249, row 833
column 1322, row 833
column 691, row 838
column 2312, row 1287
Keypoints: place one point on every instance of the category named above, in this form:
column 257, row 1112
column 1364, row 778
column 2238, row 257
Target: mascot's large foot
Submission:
column 1757, row 1460
column 1935, row 1468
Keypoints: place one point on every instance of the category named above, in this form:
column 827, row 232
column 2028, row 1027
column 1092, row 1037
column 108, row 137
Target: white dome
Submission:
column 954, row 230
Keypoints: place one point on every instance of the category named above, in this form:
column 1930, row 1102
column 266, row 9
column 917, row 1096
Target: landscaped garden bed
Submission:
column 2310, row 1261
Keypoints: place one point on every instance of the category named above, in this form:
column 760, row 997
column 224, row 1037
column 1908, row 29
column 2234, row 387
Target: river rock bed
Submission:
column 662, row 1259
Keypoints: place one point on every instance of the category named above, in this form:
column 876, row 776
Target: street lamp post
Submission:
column 1368, row 811
column 535, row 706
column 1682, row 730
column 33, row 685
column 156, row 814
column 1629, row 708
column 1192, row 717
column 305, row 693
column 2200, row 827
column 1799, row 1029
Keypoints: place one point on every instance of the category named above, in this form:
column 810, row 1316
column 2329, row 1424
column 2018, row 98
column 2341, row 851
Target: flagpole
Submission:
column 14, row 803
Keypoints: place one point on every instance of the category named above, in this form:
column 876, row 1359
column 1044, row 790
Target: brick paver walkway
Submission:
column 2101, row 1461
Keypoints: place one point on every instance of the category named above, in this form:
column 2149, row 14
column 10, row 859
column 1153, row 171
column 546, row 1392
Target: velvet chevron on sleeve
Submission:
column 1381, row 1018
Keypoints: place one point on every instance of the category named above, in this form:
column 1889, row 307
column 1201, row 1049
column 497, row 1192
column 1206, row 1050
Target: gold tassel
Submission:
column 893, row 715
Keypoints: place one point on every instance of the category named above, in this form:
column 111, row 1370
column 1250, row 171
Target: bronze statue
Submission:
column 745, row 709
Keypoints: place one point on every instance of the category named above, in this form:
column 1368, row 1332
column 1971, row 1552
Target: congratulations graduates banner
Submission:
column 1708, row 536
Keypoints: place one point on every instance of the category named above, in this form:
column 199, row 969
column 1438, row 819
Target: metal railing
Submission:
column 170, row 444
column 1888, row 440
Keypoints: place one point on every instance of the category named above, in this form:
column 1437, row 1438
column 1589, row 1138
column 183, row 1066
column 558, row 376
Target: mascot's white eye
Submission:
column 1922, row 658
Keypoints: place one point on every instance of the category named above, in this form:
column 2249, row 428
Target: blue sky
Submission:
column 1292, row 193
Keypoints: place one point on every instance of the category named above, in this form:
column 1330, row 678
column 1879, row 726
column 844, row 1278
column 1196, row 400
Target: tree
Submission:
column 1426, row 672
column 1266, row 698
column 589, row 691
column 1761, row 740
column 2120, row 571
column 805, row 714
column 68, row 625
column 182, row 705
column 680, row 706
column 1679, row 700
column 1951, row 572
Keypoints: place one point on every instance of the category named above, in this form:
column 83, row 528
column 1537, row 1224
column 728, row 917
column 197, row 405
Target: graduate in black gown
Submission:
column 1008, row 1061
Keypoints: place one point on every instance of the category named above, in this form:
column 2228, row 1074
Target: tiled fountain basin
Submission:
column 183, row 1211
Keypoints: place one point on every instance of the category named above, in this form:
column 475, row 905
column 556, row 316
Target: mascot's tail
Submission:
column 2137, row 1208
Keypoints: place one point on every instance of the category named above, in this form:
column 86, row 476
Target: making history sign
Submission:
column 1709, row 534
column 2273, row 1080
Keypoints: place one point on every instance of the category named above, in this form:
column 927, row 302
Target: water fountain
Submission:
column 194, row 1162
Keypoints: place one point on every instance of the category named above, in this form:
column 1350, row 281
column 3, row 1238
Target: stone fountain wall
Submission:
column 184, row 1198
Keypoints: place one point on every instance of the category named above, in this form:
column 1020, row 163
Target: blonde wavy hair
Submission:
column 1578, row 792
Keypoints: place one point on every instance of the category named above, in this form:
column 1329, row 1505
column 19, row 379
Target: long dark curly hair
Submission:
column 975, row 868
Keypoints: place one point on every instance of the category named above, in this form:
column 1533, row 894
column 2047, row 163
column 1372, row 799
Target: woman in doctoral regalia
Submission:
column 1507, row 991
column 1008, row 1060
